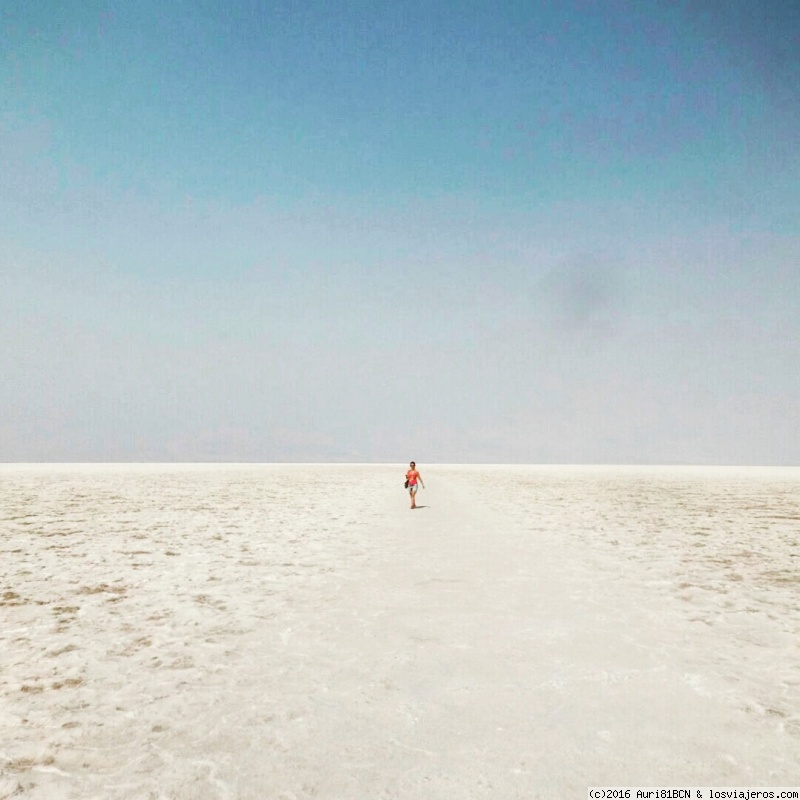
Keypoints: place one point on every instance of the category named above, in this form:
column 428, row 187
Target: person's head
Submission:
column 412, row 465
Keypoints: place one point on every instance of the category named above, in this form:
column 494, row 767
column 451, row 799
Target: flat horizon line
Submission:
column 541, row 464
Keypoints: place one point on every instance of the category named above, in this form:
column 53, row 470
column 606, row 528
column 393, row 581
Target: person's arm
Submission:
column 420, row 480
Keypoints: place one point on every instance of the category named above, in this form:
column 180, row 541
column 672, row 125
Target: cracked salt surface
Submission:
column 293, row 631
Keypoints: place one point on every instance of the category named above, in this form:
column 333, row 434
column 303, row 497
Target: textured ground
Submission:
column 276, row 631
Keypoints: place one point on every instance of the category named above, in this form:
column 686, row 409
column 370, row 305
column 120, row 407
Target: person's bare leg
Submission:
column 413, row 498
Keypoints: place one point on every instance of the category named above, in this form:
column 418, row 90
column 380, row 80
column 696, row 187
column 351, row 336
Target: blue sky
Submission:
column 526, row 232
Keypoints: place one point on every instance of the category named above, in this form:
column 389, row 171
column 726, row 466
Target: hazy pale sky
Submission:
column 368, row 231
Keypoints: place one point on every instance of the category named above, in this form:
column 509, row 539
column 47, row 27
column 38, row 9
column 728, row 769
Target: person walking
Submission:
column 413, row 481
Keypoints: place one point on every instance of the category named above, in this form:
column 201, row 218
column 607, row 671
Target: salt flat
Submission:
column 295, row 631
